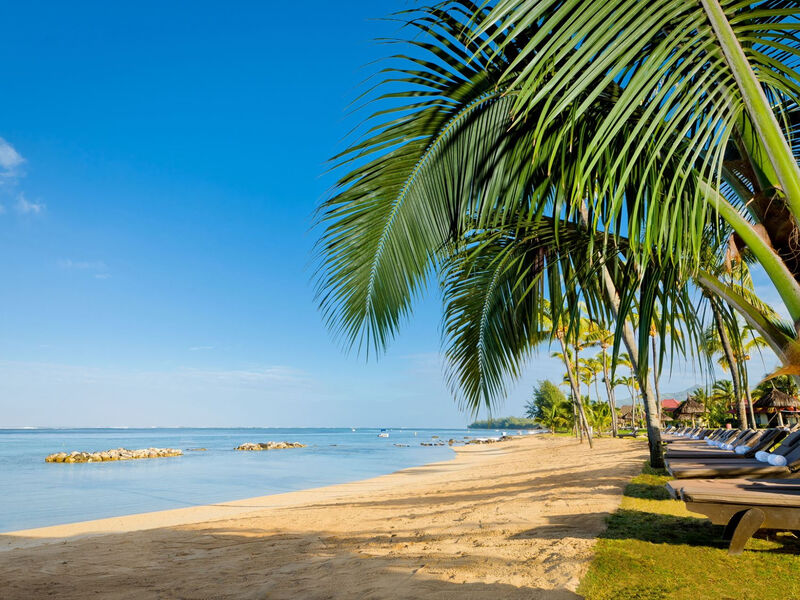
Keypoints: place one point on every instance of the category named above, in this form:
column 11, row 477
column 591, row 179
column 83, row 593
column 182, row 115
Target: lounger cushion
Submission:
column 777, row 460
column 742, row 449
column 762, row 456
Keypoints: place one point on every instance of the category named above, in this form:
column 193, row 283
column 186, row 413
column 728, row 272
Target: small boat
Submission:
column 352, row 429
column 383, row 433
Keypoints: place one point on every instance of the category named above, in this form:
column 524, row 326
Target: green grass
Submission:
column 654, row 548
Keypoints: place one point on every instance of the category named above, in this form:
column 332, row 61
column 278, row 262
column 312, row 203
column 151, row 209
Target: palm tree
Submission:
column 722, row 399
column 749, row 341
column 599, row 415
column 716, row 340
column 572, row 378
column 592, row 367
column 556, row 415
column 454, row 175
column 703, row 79
column 605, row 339
column 633, row 386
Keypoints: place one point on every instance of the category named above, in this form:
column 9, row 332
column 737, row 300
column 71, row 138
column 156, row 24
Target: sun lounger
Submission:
column 746, row 444
column 741, row 467
column 741, row 505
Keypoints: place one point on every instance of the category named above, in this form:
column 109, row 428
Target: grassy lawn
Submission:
column 654, row 548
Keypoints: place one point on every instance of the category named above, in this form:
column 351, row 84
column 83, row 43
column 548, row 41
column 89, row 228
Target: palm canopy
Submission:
column 708, row 94
column 688, row 70
column 442, row 182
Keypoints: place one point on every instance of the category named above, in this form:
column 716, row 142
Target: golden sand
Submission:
column 510, row 520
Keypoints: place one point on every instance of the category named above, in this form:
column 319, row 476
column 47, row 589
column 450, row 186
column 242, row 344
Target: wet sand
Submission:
column 509, row 520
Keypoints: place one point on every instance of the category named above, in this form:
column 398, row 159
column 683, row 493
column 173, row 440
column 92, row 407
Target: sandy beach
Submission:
column 510, row 520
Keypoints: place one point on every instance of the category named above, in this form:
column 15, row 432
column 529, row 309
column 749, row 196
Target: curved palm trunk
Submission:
column 746, row 383
column 732, row 363
column 610, row 394
column 656, row 371
column 651, row 409
column 581, row 422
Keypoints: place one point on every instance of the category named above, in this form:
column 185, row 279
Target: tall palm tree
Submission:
column 455, row 175
column 605, row 338
column 719, row 78
column 728, row 68
column 723, row 398
column 750, row 341
column 573, row 379
column 716, row 340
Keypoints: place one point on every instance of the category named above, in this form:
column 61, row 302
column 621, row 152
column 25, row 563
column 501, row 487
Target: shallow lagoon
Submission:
column 38, row 494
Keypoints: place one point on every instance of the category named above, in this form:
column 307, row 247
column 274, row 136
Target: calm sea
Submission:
column 36, row 494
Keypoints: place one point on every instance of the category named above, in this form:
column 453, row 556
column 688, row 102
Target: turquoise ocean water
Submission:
column 37, row 494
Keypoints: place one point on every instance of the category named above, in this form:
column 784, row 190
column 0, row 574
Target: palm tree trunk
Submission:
column 732, row 364
column 746, row 384
column 655, row 376
column 651, row 409
column 610, row 394
column 580, row 420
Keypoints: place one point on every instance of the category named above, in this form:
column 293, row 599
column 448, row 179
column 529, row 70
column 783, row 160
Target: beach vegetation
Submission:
column 505, row 423
column 550, row 407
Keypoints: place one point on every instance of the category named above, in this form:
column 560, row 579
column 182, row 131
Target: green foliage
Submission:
column 525, row 152
column 505, row 423
column 550, row 407
column 720, row 402
column 654, row 548
column 599, row 416
column 784, row 383
column 441, row 183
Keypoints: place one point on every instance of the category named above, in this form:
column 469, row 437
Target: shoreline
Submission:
column 216, row 511
column 517, row 519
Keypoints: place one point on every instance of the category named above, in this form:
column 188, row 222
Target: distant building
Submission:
column 668, row 406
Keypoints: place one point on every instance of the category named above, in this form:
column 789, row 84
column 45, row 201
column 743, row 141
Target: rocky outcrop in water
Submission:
column 504, row 438
column 255, row 446
column 110, row 455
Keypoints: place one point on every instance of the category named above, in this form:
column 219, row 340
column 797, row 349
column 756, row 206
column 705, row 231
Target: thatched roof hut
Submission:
column 690, row 406
column 776, row 401
column 688, row 409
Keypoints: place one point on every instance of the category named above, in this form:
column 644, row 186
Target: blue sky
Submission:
column 159, row 166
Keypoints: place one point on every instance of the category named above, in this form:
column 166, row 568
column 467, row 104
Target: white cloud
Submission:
column 82, row 265
column 275, row 375
column 26, row 207
column 97, row 267
column 10, row 160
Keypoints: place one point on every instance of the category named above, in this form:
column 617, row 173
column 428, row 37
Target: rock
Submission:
column 110, row 455
column 503, row 438
column 254, row 446
column 197, row 449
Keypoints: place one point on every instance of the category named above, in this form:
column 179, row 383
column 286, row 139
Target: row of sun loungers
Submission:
column 745, row 480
